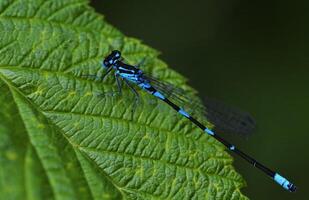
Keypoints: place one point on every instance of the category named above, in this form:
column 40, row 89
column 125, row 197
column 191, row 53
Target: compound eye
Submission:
column 110, row 61
column 106, row 63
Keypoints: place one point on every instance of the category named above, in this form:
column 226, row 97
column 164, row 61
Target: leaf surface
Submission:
column 61, row 139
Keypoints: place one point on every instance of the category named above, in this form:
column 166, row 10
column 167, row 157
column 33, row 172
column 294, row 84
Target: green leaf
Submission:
column 61, row 139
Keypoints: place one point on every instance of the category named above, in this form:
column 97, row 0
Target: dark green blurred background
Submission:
column 253, row 55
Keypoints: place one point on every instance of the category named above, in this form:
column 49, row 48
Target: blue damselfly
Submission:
column 132, row 75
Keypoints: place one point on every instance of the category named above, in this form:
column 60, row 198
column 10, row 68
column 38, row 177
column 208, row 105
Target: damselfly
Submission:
column 132, row 75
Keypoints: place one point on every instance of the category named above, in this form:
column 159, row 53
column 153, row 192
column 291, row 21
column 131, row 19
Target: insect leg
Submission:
column 119, row 84
column 106, row 73
column 141, row 62
column 137, row 97
column 112, row 93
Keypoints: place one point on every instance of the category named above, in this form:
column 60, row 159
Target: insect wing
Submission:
column 226, row 119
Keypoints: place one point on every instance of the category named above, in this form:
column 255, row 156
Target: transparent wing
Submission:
column 178, row 96
column 226, row 119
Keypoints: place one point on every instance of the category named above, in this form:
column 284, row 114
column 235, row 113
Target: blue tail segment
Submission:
column 284, row 183
column 279, row 179
column 209, row 132
column 134, row 75
column 184, row 113
column 159, row 95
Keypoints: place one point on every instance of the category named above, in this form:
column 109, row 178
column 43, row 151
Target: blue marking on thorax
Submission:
column 159, row 95
column 209, row 132
column 232, row 148
column 130, row 77
column 126, row 70
column 144, row 85
column 184, row 113
column 282, row 181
